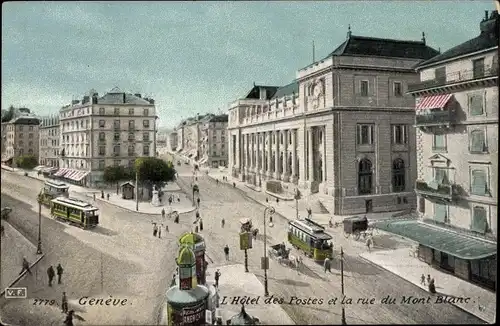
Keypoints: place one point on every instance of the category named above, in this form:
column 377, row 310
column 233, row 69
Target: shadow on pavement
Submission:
column 290, row 282
column 104, row 231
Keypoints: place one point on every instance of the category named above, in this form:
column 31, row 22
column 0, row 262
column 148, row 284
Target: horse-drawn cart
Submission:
column 282, row 255
column 247, row 226
column 358, row 227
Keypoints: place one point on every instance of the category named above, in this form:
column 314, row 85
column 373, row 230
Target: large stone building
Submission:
column 97, row 132
column 343, row 128
column 49, row 141
column 20, row 136
column 457, row 145
column 213, row 140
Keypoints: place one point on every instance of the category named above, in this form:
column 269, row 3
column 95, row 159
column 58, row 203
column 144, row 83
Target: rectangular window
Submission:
column 116, row 136
column 131, row 124
column 364, row 88
column 145, row 136
column 21, row 128
column 145, row 123
column 399, row 134
column 479, row 219
column 117, row 124
column 30, row 135
column 478, row 68
column 102, row 136
column 131, row 163
column 117, row 111
column 31, row 128
column 365, row 134
column 479, row 183
column 131, row 150
column 476, row 104
column 145, row 112
column 131, row 136
column 102, row 123
column 131, row 111
column 441, row 176
column 102, row 111
column 439, row 142
column 102, row 150
column 398, row 89
column 102, row 164
column 477, row 141
column 145, row 150
column 441, row 213
column 440, row 74
column 116, row 150
column 21, row 135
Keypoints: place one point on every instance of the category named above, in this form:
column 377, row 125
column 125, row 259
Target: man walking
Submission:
column 217, row 276
column 327, row 265
column 159, row 231
column 369, row 243
column 198, row 201
column 64, row 304
column 51, row 274
column 60, row 271
column 163, row 212
column 26, row 267
column 226, row 252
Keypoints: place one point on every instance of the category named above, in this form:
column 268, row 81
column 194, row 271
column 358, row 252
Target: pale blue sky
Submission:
column 197, row 56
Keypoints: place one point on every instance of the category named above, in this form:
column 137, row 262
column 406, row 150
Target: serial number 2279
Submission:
column 43, row 302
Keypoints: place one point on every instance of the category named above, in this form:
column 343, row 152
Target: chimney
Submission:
column 138, row 95
column 85, row 99
column 488, row 24
column 485, row 15
column 262, row 93
column 74, row 102
column 151, row 101
column 94, row 98
column 124, row 98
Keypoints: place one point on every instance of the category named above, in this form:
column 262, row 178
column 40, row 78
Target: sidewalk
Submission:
column 14, row 247
column 409, row 268
column 234, row 282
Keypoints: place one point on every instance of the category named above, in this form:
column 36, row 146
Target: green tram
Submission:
column 51, row 190
column 310, row 237
column 75, row 211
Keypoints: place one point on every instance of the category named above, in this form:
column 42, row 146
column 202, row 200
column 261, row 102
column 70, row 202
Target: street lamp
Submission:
column 342, row 283
column 297, row 196
column 265, row 263
column 39, row 245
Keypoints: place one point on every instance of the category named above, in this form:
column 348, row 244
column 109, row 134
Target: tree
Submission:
column 116, row 174
column 8, row 115
column 26, row 162
column 154, row 171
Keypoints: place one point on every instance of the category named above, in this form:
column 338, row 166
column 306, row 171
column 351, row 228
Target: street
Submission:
column 135, row 265
column 363, row 279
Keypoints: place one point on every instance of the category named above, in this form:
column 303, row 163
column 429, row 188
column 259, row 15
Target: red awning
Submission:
column 433, row 102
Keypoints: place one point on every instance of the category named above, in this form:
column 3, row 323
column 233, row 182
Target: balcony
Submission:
column 456, row 78
column 447, row 192
column 436, row 118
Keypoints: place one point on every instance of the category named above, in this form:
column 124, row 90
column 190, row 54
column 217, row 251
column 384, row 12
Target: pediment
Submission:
column 439, row 158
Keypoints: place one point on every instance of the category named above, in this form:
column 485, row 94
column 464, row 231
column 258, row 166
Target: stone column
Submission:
column 277, row 155
column 285, row 176
column 323, row 147
column 294, row 154
column 269, row 153
column 262, row 153
column 302, row 153
column 246, row 153
column 310, row 154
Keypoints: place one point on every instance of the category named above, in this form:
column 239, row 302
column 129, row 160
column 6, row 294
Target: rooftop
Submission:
column 292, row 88
column 255, row 92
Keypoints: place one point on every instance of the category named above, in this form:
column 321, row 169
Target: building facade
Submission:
column 457, row 145
column 97, row 132
column 191, row 138
column 20, row 136
column 214, row 141
column 343, row 128
column 172, row 140
column 49, row 141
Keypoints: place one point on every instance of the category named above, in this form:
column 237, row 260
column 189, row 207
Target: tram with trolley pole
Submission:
column 75, row 211
column 51, row 190
column 310, row 238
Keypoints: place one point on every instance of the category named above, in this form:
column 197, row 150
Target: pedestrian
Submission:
column 309, row 213
column 222, row 222
column 201, row 225
column 217, row 181
column 327, row 265
column 69, row 318
column 163, row 212
column 226, row 252
column 50, row 274
column 108, row 196
column 159, row 231
column 170, row 200
column 198, row 201
column 102, row 194
column 234, row 184
column 428, row 278
column 60, row 271
column 166, row 228
column 277, row 200
column 178, row 198
column 94, row 196
column 217, row 277
column 155, row 229
column 64, row 304
column 369, row 243
column 26, row 266
column 267, row 200
column 432, row 286
column 176, row 219
column 422, row 280
column 196, row 229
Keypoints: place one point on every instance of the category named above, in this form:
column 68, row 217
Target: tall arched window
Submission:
column 365, row 177
column 398, row 175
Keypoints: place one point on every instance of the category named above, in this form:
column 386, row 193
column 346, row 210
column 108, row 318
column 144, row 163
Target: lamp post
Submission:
column 265, row 264
column 39, row 245
column 342, row 283
column 136, row 190
column 297, row 196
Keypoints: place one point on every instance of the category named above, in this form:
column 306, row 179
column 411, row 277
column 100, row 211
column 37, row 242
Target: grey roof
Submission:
column 487, row 39
column 25, row 120
column 255, row 92
column 381, row 47
column 219, row 118
column 115, row 96
column 289, row 89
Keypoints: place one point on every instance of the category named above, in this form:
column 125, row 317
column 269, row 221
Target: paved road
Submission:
column 363, row 280
column 135, row 265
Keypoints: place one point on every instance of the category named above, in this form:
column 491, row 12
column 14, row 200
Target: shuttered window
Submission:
column 439, row 142
column 479, row 220
column 440, row 213
column 477, row 141
column 441, row 176
column 476, row 104
column 479, row 183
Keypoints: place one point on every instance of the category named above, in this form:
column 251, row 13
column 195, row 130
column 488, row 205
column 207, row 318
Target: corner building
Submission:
column 342, row 128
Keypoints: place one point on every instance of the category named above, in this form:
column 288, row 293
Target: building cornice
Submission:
column 437, row 63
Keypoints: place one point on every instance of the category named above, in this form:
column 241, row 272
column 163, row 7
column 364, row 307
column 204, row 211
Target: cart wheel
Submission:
column 357, row 235
column 346, row 235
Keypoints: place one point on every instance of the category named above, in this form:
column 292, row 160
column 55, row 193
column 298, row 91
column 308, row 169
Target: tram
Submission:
column 311, row 238
column 75, row 212
column 51, row 190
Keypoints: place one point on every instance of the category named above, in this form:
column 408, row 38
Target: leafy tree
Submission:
column 154, row 171
column 115, row 174
column 8, row 115
column 26, row 162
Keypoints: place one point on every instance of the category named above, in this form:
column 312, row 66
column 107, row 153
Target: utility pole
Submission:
column 102, row 276
column 342, row 283
column 39, row 245
column 314, row 54
column 136, row 190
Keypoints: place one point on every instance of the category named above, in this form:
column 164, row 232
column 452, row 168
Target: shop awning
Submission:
column 80, row 175
column 70, row 174
column 49, row 169
column 203, row 160
column 61, row 172
column 453, row 243
column 433, row 102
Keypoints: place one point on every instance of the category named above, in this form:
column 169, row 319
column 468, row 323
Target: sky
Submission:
column 197, row 57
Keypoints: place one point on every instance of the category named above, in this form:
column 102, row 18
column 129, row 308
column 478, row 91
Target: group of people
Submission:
column 157, row 229
column 51, row 274
column 430, row 282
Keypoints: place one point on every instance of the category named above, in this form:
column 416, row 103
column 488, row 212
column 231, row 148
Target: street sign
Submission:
column 245, row 241
column 264, row 262
column 16, row 293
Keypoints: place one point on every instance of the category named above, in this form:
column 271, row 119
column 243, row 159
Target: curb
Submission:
column 272, row 194
column 23, row 274
column 459, row 307
column 138, row 212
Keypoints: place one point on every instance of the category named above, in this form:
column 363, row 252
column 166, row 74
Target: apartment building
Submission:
column 20, row 136
column 457, row 145
column 172, row 140
column 49, row 141
column 342, row 128
column 214, row 141
column 97, row 132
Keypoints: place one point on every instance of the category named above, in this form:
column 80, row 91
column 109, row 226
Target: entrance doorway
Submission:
column 368, row 205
